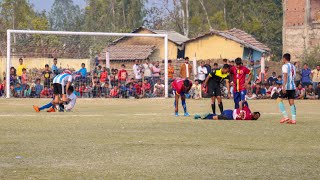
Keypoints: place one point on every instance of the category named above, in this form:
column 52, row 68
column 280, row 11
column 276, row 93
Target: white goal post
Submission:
column 10, row 32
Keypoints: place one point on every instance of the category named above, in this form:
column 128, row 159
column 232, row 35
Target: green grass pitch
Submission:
column 141, row 139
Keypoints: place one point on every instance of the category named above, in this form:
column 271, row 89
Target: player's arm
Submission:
column 285, row 78
column 228, row 87
column 208, row 77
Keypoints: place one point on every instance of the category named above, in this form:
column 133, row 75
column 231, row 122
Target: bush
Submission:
column 312, row 56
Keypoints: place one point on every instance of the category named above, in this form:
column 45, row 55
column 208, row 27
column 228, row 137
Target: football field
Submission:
column 141, row 139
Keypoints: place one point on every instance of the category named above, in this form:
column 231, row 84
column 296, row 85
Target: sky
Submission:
column 41, row 5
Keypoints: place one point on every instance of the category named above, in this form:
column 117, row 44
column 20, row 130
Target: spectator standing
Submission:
column 123, row 74
column 137, row 71
column 98, row 71
column 147, row 70
column 253, row 68
column 54, row 67
column 310, row 94
column 215, row 66
column 186, row 69
column 298, row 77
column 38, row 88
column 273, row 79
column 225, row 61
column 207, row 65
column 170, row 71
column 20, row 67
column 83, row 70
column 47, row 76
column 156, row 72
column 306, row 72
column 202, row 71
column 265, row 75
column 24, row 78
column 316, row 76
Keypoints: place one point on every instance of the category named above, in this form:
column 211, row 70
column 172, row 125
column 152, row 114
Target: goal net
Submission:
column 104, row 65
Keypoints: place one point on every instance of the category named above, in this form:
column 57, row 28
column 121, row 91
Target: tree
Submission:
column 65, row 16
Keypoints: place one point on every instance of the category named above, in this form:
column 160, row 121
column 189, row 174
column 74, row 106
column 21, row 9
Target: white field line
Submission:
column 34, row 115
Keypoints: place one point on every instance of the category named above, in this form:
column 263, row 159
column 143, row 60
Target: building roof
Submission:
column 129, row 52
column 173, row 36
column 240, row 39
column 248, row 38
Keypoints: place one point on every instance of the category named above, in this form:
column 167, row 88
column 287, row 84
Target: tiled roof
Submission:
column 173, row 36
column 129, row 52
column 248, row 38
column 232, row 37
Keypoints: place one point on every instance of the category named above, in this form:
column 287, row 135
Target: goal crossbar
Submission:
column 10, row 31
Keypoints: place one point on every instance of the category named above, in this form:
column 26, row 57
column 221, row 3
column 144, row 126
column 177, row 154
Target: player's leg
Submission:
column 293, row 110
column 282, row 107
column 243, row 94
column 213, row 104
column 219, row 99
column 176, row 101
column 184, row 105
column 236, row 99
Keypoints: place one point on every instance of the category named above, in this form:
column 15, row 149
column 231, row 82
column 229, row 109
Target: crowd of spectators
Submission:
column 145, row 80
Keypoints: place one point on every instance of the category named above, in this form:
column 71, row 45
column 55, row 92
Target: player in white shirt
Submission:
column 288, row 90
column 61, row 84
column 68, row 105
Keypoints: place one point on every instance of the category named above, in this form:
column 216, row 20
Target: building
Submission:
column 147, row 47
column 229, row 44
column 301, row 26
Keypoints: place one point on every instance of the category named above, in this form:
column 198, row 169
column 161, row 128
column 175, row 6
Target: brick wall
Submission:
column 295, row 12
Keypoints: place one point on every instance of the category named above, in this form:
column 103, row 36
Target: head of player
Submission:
column 256, row 115
column 225, row 69
column 70, row 90
column 238, row 62
column 286, row 58
column 187, row 85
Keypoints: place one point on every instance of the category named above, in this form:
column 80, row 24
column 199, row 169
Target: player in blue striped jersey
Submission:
column 288, row 90
column 61, row 84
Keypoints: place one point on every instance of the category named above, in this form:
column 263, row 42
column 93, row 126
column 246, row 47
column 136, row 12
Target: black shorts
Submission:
column 214, row 91
column 289, row 95
column 58, row 89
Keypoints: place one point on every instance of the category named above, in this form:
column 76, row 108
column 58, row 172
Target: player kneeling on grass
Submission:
column 180, row 88
column 68, row 106
column 61, row 84
column 237, row 114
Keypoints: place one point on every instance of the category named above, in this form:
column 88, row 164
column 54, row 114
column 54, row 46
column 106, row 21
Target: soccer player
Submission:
column 214, row 80
column 71, row 102
column 61, row 83
column 239, row 73
column 180, row 88
column 288, row 89
column 236, row 114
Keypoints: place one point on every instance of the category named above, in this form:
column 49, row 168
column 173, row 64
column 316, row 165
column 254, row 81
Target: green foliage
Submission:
column 312, row 56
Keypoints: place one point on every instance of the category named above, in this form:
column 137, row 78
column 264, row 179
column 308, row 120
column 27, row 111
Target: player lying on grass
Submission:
column 180, row 87
column 236, row 114
column 68, row 106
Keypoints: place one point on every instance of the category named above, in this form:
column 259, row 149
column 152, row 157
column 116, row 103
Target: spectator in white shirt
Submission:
column 147, row 70
column 137, row 71
column 202, row 71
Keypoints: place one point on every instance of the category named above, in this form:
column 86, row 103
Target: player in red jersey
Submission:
column 240, row 83
column 179, row 88
column 236, row 114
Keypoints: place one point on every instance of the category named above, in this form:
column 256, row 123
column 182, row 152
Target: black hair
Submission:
column 238, row 61
column 186, row 83
column 254, row 113
column 24, row 69
column 71, row 88
column 47, row 65
column 55, row 59
column 83, row 64
column 20, row 59
column 225, row 60
column 169, row 61
column 123, row 65
column 226, row 66
column 287, row 56
column 187, row 58
column 215, row 64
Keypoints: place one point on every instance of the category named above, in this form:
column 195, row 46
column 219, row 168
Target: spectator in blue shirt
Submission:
column 18, row 90
column 83, row 70
column 306, row 72
column 54, row 68
column 272, row 79
column 38, row 88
